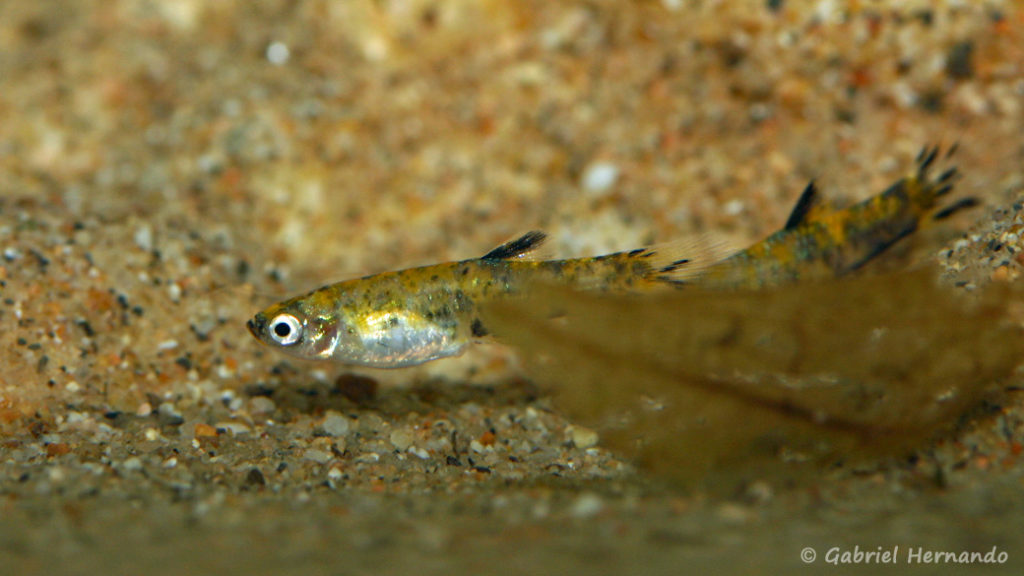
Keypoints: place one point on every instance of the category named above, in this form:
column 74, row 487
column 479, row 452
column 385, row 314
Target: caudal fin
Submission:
column 926, row 191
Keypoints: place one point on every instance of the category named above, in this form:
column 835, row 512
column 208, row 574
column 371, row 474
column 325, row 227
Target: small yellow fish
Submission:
column 412, row 316
column 408, row 317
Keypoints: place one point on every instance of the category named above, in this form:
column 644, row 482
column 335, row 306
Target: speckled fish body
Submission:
column 824, row 244
column 412, row 316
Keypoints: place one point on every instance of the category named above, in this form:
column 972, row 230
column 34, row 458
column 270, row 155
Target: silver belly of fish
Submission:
column 394, row 340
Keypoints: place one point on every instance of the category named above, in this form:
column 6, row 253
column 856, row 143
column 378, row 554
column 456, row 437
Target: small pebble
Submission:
column 401, row 439
column 586, row 505
column 733, row 207
column 368, row 458
column 255, row 478
column 236, row 428
column 144, row 237
column 599, row 177
column 335, row 424
column 205, row 431
column 278, row 53
column 583, row 437
column 317, row 455
column 167, row 345
column 169, row 415
column 261, row 405
column 57, row 474
column 11, row 254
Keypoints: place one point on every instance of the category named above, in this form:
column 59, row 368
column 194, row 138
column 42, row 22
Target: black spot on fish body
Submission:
column 675, row 265
column 478, row 328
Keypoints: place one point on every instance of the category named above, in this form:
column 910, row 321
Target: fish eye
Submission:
column 285, row 329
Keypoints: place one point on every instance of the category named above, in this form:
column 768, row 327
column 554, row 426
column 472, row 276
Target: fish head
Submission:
column 297, row 329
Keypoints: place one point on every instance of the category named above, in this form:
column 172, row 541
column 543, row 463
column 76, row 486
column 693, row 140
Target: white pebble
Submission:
column 733, row 207
column 278, row 53
column 599, row 177
column 261, row 405
column 144, row 237
column 167, row 345
column 401, row 439
column 317, row 455
column 583, row 437
column 335, row 424
column 368, row 458
column 586, row 505
column 57, row 474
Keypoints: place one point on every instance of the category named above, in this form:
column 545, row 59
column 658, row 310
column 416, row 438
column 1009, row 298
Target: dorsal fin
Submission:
column 520, row 248
column 803, row 207
column 679, row 261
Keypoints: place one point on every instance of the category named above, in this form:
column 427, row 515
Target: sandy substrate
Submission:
column 168, row 168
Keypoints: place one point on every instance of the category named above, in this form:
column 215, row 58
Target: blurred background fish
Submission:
column 748, row 384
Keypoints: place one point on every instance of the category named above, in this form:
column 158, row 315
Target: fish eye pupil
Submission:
column 282, row 329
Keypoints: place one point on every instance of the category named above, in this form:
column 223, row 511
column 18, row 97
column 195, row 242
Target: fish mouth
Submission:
column 256, row 326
